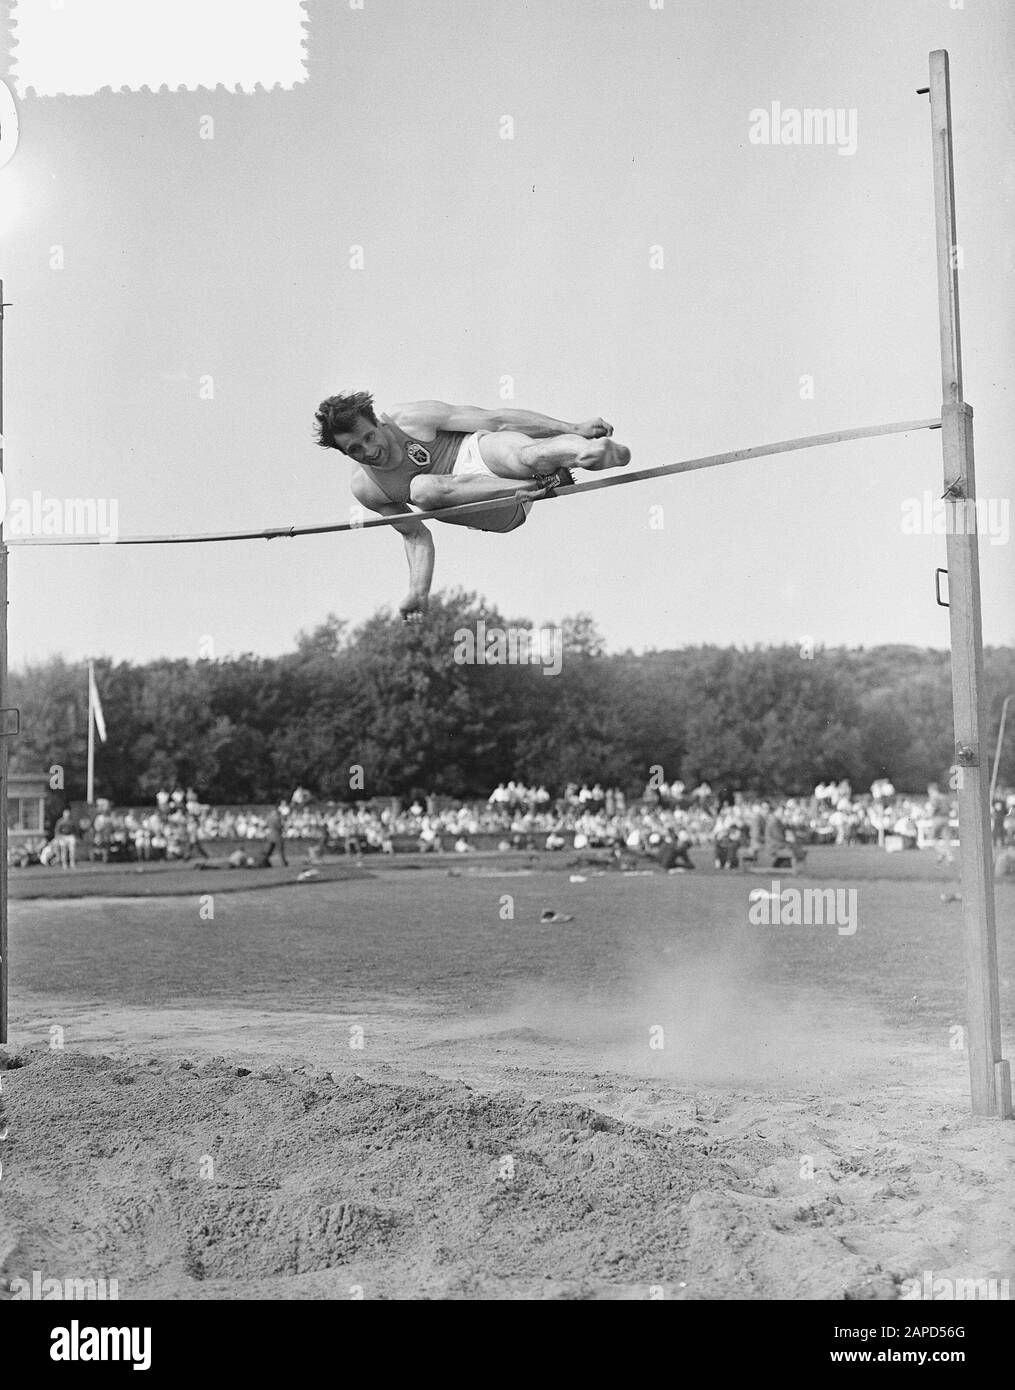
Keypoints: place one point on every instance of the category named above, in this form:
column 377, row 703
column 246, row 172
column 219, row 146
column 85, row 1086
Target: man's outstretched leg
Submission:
column 513, row 455
column 509, row 464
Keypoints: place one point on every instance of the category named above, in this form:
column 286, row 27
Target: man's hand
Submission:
column 594, row 429
column 414, row 608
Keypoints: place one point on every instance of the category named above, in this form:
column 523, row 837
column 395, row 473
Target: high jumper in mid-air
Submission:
column 433, row 455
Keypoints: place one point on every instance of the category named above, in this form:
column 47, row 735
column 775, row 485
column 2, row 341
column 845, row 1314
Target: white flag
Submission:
column 96, row 703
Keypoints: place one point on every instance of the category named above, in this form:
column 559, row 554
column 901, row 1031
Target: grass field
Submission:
column 402, row 1082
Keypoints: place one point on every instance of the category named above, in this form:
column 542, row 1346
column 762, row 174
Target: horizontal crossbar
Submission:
column 785, row 446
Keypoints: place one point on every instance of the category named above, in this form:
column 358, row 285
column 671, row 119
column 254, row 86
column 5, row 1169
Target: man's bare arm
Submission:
column 439, row 415
column 419, row 551
column 543, row 427
column 419, row 546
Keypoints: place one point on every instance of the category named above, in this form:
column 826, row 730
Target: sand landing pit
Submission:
column 212, row 1180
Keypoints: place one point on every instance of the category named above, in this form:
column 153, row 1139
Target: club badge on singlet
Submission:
column 417, row 454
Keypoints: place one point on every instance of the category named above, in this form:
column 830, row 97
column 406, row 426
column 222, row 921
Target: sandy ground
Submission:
column 203, row 1150
column 472, row 1168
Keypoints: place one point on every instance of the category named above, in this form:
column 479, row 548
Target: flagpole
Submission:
column 91, row 736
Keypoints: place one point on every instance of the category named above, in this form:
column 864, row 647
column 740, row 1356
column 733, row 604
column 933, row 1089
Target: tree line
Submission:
column 390, row 709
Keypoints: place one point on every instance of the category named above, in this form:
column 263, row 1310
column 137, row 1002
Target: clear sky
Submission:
column 530, row 258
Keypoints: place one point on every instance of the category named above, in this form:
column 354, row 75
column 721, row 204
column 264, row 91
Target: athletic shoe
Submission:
column 562, row 478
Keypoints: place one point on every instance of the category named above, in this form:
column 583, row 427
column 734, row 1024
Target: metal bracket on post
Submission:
column 941, row 602
column 1002, row 1084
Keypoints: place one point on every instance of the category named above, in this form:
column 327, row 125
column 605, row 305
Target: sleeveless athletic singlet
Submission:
column 437, row 456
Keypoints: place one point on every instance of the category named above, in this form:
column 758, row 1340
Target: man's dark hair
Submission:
column 338, row 415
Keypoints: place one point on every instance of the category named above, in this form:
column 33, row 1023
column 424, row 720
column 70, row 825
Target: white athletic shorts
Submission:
column 500, row 518
column 469, row 459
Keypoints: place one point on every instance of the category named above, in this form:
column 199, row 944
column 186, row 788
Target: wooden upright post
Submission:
column 990, row 1077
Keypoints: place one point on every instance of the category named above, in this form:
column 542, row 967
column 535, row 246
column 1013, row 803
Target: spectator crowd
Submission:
column 668, row 820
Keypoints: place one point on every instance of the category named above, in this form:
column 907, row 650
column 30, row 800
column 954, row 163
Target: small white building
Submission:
column 26, row 807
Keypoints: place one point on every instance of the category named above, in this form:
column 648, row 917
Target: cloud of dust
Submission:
column 706, row 1014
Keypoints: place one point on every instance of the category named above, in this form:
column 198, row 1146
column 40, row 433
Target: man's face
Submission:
column 366, row 443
